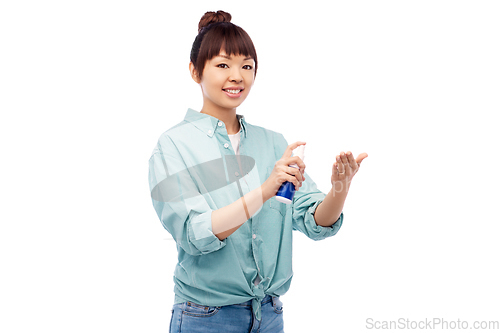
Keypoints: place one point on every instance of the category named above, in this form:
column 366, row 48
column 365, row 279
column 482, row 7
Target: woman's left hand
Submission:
column 345, row 167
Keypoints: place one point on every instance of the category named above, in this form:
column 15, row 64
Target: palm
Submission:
column 346, row 166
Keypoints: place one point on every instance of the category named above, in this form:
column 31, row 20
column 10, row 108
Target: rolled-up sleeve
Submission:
column 305, row 202
column 181, row 208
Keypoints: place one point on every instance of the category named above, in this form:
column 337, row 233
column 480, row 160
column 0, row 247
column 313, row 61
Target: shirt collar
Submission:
column 208, row 124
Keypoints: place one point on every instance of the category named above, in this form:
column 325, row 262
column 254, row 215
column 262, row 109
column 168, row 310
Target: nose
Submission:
column 235, row 75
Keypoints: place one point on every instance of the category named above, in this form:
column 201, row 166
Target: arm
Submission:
column 184, row 212
column 228, row 219
column 328, row 211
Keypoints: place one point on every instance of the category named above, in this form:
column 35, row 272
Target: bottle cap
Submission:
column 299, row 151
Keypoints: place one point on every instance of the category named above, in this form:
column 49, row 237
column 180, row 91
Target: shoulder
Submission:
column 179, row 130
column 176, row 133
column 266, row 134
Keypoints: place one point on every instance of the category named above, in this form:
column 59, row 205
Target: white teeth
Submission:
column 233, row 91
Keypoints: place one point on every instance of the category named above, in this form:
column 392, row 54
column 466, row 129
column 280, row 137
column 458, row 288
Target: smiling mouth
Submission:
column 231, row 91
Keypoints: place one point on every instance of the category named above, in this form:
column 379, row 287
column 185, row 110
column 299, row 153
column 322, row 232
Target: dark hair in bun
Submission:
column 216, row 33
column 213, row 17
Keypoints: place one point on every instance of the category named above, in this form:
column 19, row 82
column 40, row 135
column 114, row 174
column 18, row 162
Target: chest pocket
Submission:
column 275, row 204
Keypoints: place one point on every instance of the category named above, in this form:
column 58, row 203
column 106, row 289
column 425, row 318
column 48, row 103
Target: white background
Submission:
column 87, row 88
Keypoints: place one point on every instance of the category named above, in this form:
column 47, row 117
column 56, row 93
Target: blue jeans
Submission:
column 189, row 317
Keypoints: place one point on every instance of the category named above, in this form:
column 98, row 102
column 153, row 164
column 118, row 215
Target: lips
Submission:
column 234, row 91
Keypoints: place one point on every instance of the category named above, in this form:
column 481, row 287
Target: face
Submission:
column 226, row 81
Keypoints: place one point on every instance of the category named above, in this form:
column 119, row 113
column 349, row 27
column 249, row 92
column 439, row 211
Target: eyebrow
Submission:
column 228, row 57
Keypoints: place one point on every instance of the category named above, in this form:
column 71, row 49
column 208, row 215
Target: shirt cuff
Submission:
column 201, row 235
column 321, row 231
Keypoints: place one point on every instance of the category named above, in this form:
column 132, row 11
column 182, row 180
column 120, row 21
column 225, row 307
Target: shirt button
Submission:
column 226, row 145
column 209, row 132
column 220, row 123
column 254, row 236
column 236, row 174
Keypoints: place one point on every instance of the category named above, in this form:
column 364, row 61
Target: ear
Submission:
column 194, row 73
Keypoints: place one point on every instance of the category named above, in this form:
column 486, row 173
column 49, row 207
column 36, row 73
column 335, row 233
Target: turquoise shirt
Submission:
column 193, row 171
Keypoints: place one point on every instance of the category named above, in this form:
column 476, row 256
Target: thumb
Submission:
column 361, row 157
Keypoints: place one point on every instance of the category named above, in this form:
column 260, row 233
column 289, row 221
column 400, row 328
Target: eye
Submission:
column 248, row 67
column 222, row 66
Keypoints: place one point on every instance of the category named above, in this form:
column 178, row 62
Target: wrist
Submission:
column 340, row 186
column 266, row 195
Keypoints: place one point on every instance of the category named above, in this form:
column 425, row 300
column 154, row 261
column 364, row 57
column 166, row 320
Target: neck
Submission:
column 227, row 116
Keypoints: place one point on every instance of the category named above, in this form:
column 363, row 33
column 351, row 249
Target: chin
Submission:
column 232, row 106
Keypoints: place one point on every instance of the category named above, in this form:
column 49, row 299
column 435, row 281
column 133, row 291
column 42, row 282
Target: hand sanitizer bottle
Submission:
column 287, row 190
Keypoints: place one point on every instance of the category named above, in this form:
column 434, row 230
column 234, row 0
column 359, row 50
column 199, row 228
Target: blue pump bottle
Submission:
column 287, row 190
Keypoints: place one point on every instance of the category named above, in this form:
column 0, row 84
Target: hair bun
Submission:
column 213, row 17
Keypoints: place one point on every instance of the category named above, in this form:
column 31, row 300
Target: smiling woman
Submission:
column 213, row 178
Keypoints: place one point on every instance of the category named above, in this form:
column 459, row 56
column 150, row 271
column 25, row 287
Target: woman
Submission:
column 213, row 178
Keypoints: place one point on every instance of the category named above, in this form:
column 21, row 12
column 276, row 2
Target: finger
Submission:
column 294, row 172
column 300, row 163
column 335, row 173
column 344, row 158
column 352, row 161
column 340, row 165
column 361, row 157
column 293, row 180
column 296, row 160
column 291, row 147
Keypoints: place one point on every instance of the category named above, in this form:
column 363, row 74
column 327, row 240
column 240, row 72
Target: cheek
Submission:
column 212, row 85
column 250, row 78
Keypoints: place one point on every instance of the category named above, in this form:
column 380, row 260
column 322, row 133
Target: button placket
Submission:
column 254, row 236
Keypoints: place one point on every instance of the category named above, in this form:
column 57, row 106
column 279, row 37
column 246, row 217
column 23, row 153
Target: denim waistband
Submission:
column 267, row 298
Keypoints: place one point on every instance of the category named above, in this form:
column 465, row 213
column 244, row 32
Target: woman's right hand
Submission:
column 282, row 172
